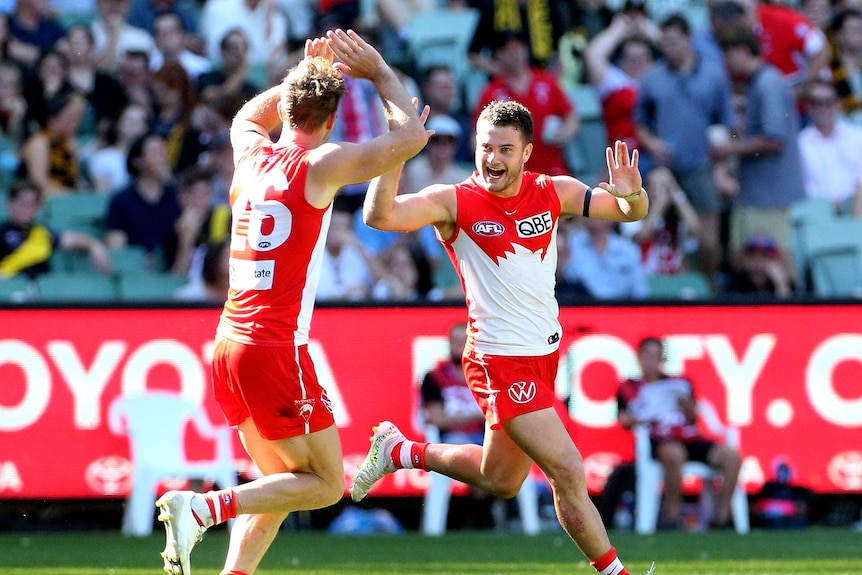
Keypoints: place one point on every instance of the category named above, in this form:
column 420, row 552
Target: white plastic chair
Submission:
column 155, row 423
column 649, row 475
column 436, row 505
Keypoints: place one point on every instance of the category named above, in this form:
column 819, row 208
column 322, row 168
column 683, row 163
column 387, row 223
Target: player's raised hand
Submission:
column 357, row 57
column 319, row 48
column 625, row 177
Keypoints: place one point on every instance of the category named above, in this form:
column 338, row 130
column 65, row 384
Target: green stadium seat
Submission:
column 84, row 212
column 75, row 287
column 684, row 285
column 16, row 289
column 149, row 287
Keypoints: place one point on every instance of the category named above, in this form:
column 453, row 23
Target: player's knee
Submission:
column 331, row 492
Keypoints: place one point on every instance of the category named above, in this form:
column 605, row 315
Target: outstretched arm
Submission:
column 621, row 200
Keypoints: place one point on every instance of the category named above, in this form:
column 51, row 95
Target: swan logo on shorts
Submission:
column 305, row 407
column 488, row 229
column 522, row 392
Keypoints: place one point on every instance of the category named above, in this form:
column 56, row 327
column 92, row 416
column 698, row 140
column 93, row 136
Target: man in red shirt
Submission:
column 263, row 377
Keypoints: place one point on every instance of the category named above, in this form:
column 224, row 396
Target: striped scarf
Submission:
column 507, row 18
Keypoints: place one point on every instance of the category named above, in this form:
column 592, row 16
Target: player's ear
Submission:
column 528, row 151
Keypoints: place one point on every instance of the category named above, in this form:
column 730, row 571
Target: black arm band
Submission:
column 587, row 195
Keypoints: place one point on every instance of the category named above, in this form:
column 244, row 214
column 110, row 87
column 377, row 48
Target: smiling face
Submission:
column 501, row 153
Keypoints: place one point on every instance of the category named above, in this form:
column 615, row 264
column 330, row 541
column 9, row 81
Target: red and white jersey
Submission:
column 277, row 242
column 505, row 251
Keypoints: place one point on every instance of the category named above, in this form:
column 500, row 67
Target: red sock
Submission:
column 233, row 572
column 409, row 455
column 609, row 564
column 222, row 505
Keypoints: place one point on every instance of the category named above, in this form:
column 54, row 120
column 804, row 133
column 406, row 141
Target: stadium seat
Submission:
column 833, row 254
column 684, row 285
column 83, row 212
column 585, row 153
column 649, row 474
column 441, row 37
column 16, row 289
column 75, row 287
column 155, row 423
column 143, row 287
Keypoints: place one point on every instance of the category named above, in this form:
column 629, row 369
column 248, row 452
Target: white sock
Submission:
column 404, row 455
column 201, row 511
column 614, row 568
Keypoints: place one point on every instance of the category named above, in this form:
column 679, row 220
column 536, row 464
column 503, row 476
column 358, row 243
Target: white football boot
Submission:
column 378, row 463
column 182, row 528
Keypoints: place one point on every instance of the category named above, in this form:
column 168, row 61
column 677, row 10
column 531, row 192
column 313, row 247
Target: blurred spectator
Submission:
column 170, row 47
column 144, row 13
column 215, row 277
column 770, row 170
column 113, row 36
column 554, row 116
column 680, row 97
column 103, row 92
column 33, row 31
column 396, row 275
column 263, row 24
column 301, row 16
column 49, row 85
column 231, row 76
column 819, row 13
column 346, row 274
column 616, row 59
column 440, row 91
column 436, row 165
column 600, row 264
column 788, row 41
column 107, row 164
column 201, row 222
column 26, row 245
column 846, row 61
column 144, row 213
column 5, row 40
column 448, row 405
column 393, row 18
column 583, row 20
column 134, row 77
column 539, row 24
column 668, row 406
column 829, row 149
column 760, row 270
column 49, row 157
column 13, row 104
column 667, row 235
column 175, row 99
column 360, row 118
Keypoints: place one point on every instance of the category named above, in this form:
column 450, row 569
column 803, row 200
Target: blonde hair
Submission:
column 312, row 91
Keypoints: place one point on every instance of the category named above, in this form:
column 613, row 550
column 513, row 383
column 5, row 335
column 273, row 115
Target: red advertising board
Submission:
column 790, row 377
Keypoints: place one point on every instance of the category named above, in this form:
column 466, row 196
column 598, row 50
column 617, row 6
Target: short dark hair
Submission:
column 678, row 22
column 194, row 174
column 739, row 37
column 22, row 185
column 136, row 150
column 509, row 113
column 650, row 340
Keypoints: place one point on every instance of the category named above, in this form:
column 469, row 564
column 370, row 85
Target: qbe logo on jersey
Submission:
column 535, row 225
column 522, row 391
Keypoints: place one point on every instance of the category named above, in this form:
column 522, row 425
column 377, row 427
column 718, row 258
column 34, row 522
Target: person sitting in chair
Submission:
column 668, row 406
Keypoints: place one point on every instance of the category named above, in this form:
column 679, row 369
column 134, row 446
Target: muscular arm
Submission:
column 385, row 210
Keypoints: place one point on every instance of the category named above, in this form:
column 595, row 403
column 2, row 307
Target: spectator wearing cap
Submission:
column 440, row 91
column 760, row 270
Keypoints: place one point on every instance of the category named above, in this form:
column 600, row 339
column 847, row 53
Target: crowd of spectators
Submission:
column 740, row 109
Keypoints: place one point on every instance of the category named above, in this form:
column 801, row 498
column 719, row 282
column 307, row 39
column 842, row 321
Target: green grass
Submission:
column 792, row 552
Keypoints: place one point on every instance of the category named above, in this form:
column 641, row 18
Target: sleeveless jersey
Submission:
column 277, row 242
column 505, row 252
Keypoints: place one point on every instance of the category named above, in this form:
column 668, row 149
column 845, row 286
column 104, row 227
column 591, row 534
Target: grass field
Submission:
column 791, row 552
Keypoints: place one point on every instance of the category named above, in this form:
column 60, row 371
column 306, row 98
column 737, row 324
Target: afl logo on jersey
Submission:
column 488, row 229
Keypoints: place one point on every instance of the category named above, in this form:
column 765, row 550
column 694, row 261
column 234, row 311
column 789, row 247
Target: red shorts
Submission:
column 508, row 386
column 275, row 386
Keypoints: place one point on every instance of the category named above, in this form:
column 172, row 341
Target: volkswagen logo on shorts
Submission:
column 522, row 392
column 488, row 229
